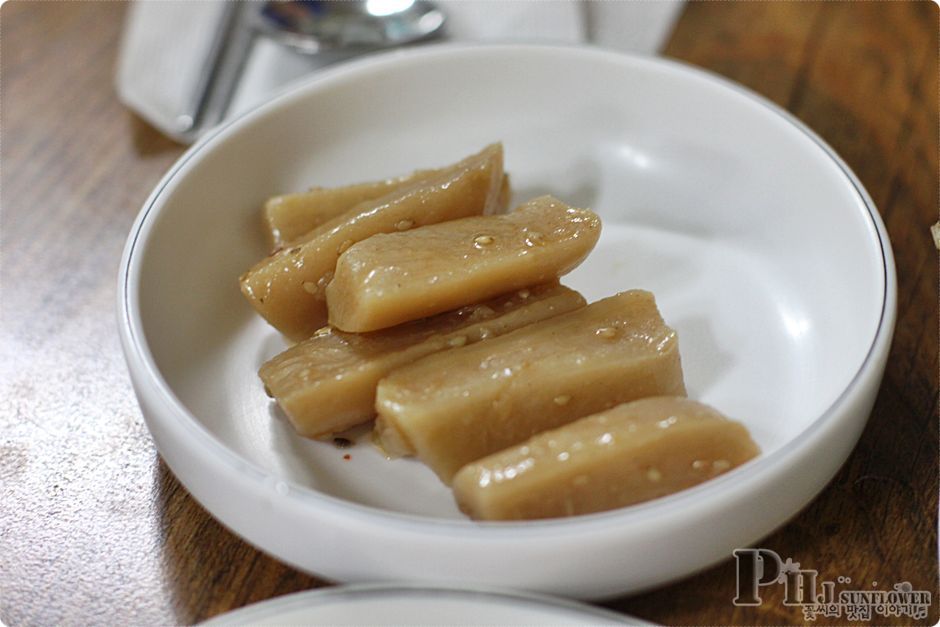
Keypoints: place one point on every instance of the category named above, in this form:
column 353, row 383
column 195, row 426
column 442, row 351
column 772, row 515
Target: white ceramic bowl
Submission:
column 763, row 249
column 397, row 604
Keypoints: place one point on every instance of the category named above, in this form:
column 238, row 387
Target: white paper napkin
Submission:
column 166, row 45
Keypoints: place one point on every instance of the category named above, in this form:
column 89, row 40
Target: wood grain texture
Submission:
column 93, row 527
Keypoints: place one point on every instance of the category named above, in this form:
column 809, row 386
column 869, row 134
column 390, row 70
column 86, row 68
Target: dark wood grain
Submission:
column 94, row 528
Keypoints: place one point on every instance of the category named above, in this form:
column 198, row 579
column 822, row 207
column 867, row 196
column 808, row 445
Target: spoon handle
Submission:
column 224, row 67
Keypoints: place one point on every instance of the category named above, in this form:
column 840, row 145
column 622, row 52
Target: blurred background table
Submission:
column 95, row 529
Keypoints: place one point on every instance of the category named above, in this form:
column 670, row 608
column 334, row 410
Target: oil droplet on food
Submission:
column 721, row 465
column 698, row 464
column 608, row 333
column 534, row 238
column 404, row 225
column 455, row 342
column 482, row 241
column 524, row 294
column 654, row 475
column 562, row 399
column 310, row 287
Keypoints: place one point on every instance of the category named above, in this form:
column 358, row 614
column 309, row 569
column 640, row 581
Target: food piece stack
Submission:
column 422, row 303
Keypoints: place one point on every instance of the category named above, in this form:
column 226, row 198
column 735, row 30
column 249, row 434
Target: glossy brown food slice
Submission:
column 290, row 216
column 392, row 278
column 327, row 383
column 287, row 288
column 631, row 453
column 452, row 408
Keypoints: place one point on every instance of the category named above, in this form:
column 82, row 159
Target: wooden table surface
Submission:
column 95, row 529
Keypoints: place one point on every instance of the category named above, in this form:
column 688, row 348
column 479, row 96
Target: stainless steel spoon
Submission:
column 312, row 26
column 336, row 29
